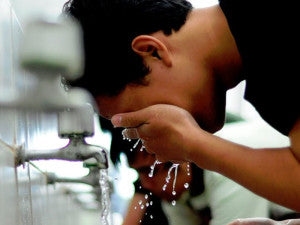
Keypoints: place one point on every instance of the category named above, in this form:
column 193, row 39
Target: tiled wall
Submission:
column 25, row 199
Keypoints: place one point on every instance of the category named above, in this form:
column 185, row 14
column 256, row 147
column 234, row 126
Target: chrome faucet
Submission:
column 76, row 150
column 74, row 124
column 91, row 179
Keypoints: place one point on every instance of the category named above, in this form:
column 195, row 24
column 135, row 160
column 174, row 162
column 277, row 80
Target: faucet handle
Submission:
column 77, row 121
column 53, row 46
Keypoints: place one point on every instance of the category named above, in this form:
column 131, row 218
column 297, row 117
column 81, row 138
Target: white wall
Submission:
column 25, row 199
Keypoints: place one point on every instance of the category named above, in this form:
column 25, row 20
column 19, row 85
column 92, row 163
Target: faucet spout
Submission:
column 76, row 150
column 91, row 179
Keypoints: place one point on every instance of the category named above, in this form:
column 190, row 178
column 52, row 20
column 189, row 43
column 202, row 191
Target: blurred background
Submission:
column 26, row 195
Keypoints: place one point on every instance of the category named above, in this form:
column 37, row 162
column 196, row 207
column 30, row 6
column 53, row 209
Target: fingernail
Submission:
column 116, row 120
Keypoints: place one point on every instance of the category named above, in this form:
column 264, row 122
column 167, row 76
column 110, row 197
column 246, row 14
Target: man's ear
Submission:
column 149, row 46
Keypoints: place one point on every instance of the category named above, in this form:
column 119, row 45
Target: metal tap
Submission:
column 74, row 124
column 91, row 179
column 76, row 150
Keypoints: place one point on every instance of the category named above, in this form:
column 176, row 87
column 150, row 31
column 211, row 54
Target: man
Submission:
column 165, row 71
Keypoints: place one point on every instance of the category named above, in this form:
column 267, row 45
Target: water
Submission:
column 175, row 177
column 188, row 169
column 175, row 167
column 124, row 136
column 136, row 144
column 105, row 196
column 151, row 173
column 153, row 167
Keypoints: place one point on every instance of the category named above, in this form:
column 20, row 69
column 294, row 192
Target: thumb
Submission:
column 131, row 119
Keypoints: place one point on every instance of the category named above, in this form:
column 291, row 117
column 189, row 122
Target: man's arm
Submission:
column 271, row 173
column 173, row 135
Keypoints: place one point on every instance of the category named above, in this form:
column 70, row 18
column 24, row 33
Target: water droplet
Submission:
column 140, row 202
column 164, row 187
column 173, row 203
column 173, row 192
column 142, row 206
column 151, row 217
column 151, row 202
column 147, row 204
column 135, row 207
column 142, row 148
column 131, row 149
column 188, row 174
column 150, row 193
column 136, row 143
column 186, row 185
column 146, row 196
column 152, row 167
column 140, row 221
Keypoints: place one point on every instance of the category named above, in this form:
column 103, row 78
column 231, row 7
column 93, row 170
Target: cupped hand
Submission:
column 165, row 130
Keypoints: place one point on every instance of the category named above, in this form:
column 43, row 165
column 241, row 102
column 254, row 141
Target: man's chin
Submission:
column 212, row 127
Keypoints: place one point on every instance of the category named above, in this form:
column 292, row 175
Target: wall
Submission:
column 25, row 199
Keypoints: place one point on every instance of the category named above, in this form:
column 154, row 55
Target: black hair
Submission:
column 109, row 26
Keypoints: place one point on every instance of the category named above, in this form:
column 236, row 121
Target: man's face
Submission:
column 187, row 84
column 142, row 164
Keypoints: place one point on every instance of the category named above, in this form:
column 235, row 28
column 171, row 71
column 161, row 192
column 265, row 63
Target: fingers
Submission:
column 131, row 119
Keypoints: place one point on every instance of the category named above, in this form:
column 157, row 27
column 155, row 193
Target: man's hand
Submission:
column 264, row 221
column 165, row 130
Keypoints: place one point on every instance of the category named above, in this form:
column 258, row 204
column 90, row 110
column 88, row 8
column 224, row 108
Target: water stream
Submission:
column 105, row 196
column 151, row 173
column 153, row 167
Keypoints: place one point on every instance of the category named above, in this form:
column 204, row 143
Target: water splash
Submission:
column 136, row 143
column 175, row 167
column 188, row 169
column 105, row 196
column 142, row 148
column 186, row 185
column 153, row 167
column 124, row 136
column 175, row 178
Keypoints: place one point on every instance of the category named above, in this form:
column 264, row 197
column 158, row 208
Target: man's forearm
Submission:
column 271, row 173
